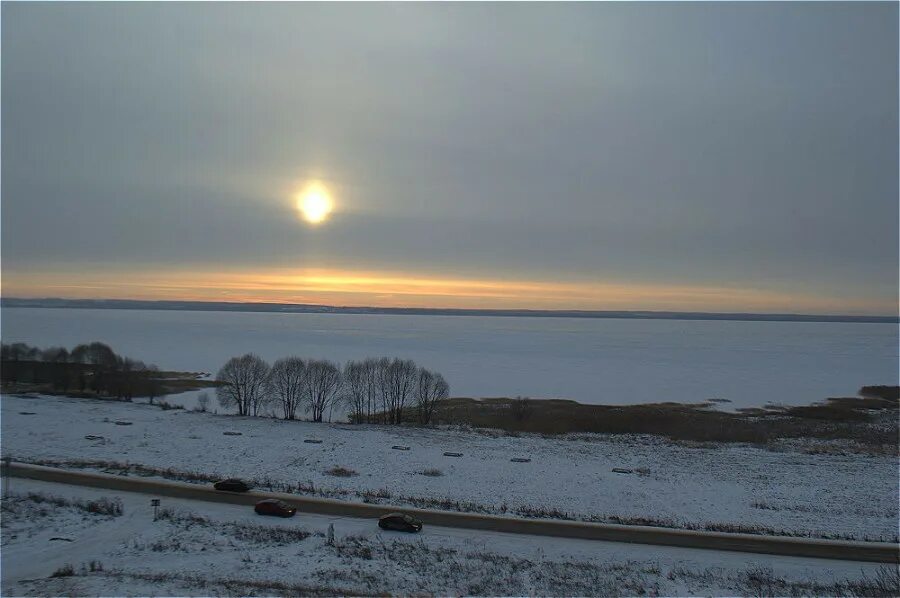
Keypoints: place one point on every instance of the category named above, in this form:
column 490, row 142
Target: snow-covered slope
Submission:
column 732, row 485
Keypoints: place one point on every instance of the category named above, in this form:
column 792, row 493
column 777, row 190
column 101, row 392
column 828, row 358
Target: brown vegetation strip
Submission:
column 870, row 421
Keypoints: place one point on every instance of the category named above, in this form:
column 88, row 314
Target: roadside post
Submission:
column 155, row 503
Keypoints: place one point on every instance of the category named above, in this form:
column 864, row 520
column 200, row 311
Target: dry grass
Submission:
column 867, row 421
column 232, row 586
column 120, row 467
column 261, row 535
column 340, row 472
column 886, row 583
column 100, row 506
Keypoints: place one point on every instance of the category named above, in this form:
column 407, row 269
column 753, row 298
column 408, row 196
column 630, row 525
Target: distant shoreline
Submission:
column 301, row 308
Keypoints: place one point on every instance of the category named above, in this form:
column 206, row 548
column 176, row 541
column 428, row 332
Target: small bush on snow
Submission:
column 341, row 472
column 64, row 571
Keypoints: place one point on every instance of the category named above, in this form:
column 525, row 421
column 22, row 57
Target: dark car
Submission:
column 400, row 522
column 271, row 506
column 232, row 485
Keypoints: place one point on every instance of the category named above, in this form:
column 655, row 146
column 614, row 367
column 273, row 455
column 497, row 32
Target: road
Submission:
column 34, row 556
column 801, row 547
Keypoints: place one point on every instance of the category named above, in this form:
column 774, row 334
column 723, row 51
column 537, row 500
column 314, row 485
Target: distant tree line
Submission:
column 92, row 367
column 374, row 390
column 888, row 393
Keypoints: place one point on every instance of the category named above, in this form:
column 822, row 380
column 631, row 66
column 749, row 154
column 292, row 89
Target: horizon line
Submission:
column 281, row 307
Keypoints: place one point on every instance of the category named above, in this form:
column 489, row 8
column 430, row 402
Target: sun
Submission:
column 314, row 203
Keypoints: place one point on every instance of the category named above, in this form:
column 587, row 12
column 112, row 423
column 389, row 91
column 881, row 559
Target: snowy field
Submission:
column 603, row 361
column 200, row 548
column 717, row 487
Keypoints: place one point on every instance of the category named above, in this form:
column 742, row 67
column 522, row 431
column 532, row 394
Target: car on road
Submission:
column 275, row 507
column 400, row 522
column 232, row 485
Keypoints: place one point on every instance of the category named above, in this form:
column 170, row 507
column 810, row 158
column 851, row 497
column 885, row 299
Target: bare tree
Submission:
column 154, row 385
column 380, row 385
column 362, row 388
column 244, row 381
column 396, row 379
column 96, row 353
column 371, row 374
column 287, row 385
column 55, row 355
column 203, row 401
column 16, row 352
column 323, row 383
column 430, row 389
column 129, row 376
column 358, row 389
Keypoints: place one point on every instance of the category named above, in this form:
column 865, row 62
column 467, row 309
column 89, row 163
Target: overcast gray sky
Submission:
column 719, row 156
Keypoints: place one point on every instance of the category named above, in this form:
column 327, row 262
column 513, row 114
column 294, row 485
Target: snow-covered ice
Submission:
column 603, row 361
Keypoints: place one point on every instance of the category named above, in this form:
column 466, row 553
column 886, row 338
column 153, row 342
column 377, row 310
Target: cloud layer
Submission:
column 747, row 146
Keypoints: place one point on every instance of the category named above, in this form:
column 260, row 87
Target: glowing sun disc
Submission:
column 314, row 204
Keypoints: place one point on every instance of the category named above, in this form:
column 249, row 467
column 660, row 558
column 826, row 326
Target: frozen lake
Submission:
column 589, row 360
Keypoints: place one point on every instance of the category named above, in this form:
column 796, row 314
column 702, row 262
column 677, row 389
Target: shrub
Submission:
column 105, row 506
column 165, row 406
column 341, row 472
column 203, row 402
column 521, row 408
column 374, row 495
column 64, row 571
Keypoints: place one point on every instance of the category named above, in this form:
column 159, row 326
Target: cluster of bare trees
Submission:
column 95, row 353
column 373, row 390
column 385, row 390
column 93, row 367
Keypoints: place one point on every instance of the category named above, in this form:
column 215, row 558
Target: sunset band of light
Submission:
column 390, row 289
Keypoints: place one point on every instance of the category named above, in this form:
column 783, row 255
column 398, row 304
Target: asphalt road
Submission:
column 878, row 552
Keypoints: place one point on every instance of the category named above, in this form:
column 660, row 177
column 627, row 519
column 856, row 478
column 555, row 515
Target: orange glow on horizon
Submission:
column 392, row 289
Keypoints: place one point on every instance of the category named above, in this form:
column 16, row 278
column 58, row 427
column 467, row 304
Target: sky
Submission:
column 724, row 157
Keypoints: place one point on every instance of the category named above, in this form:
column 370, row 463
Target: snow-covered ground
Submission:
column 203, row 548
column 731, row 485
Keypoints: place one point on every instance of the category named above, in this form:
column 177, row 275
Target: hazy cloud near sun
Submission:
column 739, row 144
